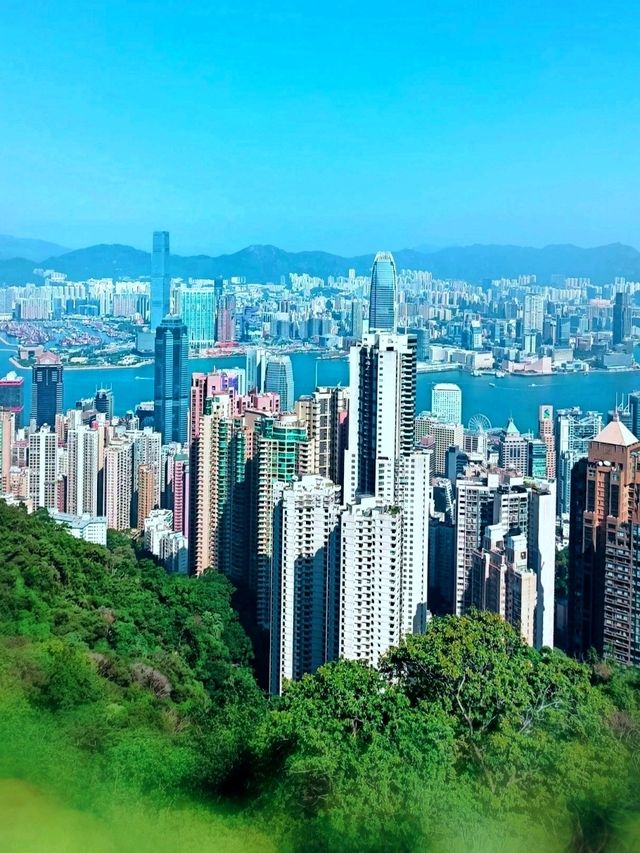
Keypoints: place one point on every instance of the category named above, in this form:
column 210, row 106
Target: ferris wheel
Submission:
column 479, row 423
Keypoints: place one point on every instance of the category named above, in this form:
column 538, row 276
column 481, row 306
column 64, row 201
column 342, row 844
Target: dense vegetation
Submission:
column 130, row 719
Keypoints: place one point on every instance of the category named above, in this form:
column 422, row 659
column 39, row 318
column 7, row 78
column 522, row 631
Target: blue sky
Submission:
column 338, row 125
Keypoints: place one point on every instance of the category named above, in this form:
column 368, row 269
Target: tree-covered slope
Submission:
column 130, row 719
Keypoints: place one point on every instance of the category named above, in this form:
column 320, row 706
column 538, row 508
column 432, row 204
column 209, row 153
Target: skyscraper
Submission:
column 119, row 479
column 357, row 321
column 6, row 446
column 160, row 278
column 12, row 396
column 382, row 383
column 46, row 389
column 446, row 402
column 279, row 380
column 621, row 318
column 147, row 490
column 575, row 430
column 305, row 572
column 474, row 511
column 547, row 434
column 219, row 505
column 513, row 450
column 197, row 307
column 634, row 406
column 282, row 452
column 226, row 319
column 533, row 315
column 382, row 297
column 82, row 477
column 370, row 580
column 255, row 365
column 324, row 415
column 43, row 468
column 604, row 547
column 171, row 389
column 103, row 402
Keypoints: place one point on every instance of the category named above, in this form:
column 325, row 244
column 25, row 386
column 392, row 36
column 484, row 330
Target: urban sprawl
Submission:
column 344, row 519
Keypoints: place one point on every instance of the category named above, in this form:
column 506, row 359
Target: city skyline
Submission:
column 525, row 138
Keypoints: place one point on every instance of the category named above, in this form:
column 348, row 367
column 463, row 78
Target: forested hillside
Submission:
column 130, row 720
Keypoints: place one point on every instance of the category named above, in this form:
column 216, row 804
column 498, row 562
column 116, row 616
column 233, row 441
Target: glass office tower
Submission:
column 382, row 298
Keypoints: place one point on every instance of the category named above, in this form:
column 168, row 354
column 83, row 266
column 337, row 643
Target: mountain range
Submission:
column 263, row 264
column 32, row 250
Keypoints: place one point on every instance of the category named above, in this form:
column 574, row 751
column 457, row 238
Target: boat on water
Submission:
column 492, row 385
column 500, row 374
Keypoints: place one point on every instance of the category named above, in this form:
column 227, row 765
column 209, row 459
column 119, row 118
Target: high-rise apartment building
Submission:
column 370, row 580
column 118, row 483
column 46, row 389
column 279, row 380
column 446, row 402
column 503, row 581
column 43, row 469
column 281, row 451
column 82, row 476
column 171, row 381
column 147, row 491
column 160, row 278
column 219, row 510
column 176, row 476
column 413, row 498
column 12, row 396
column 533, row 316
column 383, row 293
column 382, row 383
column 522, row 510
column 324, row 414
column 541, row 545
column 6, row 447
column 304, row 577
column 474, row 512
column 604, row 547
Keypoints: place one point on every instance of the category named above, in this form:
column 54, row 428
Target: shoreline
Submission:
column 13, row 360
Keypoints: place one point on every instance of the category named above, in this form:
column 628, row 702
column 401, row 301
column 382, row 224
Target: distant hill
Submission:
column 268, row 263
column 32, row 250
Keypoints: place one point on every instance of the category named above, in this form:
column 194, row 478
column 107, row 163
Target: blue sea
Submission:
column 518, row 397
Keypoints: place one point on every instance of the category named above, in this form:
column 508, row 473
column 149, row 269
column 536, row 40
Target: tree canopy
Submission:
column 124, row 688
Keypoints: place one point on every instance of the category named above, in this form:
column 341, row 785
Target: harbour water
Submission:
column 498, row 399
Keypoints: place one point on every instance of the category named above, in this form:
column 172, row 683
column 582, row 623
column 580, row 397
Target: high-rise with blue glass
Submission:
column 279, row 379
column 382, row 298
column 171, row 391
column 160, row 278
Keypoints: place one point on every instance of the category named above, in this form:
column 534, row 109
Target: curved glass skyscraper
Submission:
column 279, row 379
column 382, row 299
